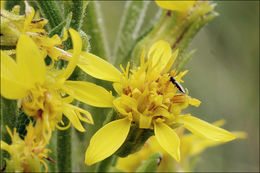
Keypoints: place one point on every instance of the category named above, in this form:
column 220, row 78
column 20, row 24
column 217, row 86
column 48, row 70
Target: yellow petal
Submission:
column 168, row 139
column 160, row 53
column 118, row 88
column 89, row 93
column 30, row 61
column 219, row 123
column 194, row 102
column 88, row 118
column 240, row 134
column 72, row 116
column 204, row 129
column 201, row 145
column 98, row 67
column 181, row 6
column 77, row 46
column 171, row 61
column 11, row 85
column 145, row 121
column 107, row 140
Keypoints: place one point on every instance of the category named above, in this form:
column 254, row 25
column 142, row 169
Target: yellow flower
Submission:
column 25, row 155
column 149, row 99
column 46, row 94
column 13, row 25
column 191, row 145
column 181, row 6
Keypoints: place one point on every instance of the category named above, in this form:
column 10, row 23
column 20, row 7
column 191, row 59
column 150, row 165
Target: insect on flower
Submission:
column 177, row 84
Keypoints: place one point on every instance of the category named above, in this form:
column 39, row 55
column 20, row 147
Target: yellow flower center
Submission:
column 148, row 95
column 45, row 105
column 41, row 98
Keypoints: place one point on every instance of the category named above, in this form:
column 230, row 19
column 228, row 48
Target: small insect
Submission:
column 177, row 84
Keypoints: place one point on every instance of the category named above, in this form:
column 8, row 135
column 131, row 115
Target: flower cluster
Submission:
column 149, row 95
column 44, row 91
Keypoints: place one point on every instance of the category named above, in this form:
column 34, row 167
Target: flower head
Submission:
column 25, row 155
column 44, row 93
column 13, row 25
column 149, row 99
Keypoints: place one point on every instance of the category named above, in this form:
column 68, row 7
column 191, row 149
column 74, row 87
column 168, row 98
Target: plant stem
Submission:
column 131, row 23
column 93, row 26
column 64, row 155
column 64, row 148
column 8, row 116
column 106, row 164
column 50, row 11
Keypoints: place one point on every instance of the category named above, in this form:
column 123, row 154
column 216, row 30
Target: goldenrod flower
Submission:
column 181, row 6
column 13, row 25
column 47, row 94
column 191, row 145
column 25, row 155
column 149, row 99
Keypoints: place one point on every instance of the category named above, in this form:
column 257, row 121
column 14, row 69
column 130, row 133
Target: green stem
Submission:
column 64, row 155
column 131, row 23
column 93, row 26
column 50, row 11
column 79, row 8
column 176, row 29
column 64, row 148
column 106, row 164
column 52, row 167
column 8, row 116
column 9, row 113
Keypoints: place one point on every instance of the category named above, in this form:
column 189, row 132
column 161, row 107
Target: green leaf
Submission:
column 57, row 29
column 10, row 4
column 186, row 38
column 177, row 30
column 151, row 164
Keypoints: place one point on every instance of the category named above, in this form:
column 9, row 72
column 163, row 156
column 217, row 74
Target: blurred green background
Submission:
column 223, row 74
